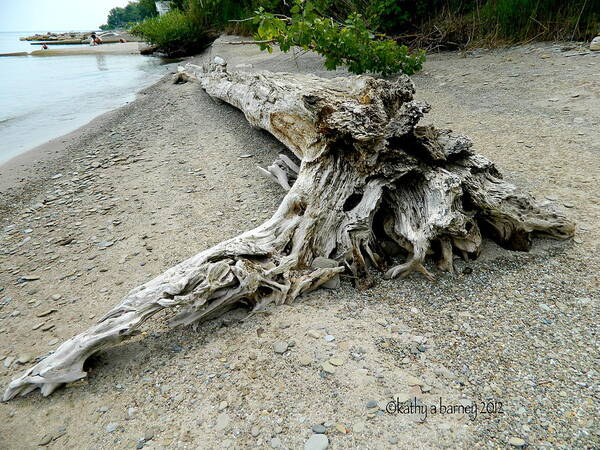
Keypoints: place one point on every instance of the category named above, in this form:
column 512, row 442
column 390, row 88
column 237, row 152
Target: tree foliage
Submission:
column 348, row 43
column 132, row 13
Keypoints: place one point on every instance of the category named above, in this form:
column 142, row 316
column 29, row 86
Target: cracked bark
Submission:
column 367, row 175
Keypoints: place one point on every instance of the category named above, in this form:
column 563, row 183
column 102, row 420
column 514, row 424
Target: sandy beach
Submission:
column 126, row 48
column 119, row 48
column 88, row 216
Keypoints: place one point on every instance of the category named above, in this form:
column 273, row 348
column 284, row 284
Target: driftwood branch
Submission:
column 267, row 41
column 368, row 175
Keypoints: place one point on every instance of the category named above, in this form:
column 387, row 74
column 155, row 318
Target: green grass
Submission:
column 518, row 20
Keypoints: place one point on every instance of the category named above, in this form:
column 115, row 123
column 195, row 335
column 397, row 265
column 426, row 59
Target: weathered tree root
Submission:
column 369, row 179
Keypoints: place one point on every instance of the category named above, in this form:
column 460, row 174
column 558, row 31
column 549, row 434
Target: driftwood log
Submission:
column 368, row 182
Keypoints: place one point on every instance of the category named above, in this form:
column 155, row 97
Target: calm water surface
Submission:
column 45, row 97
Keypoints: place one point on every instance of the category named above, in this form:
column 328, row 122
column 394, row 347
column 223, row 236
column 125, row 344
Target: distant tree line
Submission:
column 132, row 13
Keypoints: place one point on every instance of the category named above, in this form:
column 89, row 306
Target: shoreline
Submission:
column 20, row 168
column 38, row 163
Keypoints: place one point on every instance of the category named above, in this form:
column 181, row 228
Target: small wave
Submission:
column 7, row 119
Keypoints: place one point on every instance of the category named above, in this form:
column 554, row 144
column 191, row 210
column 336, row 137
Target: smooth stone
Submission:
column 317, row 442
column 46, row 439
column 112, row 427
column 372, row 404
column 336, row 361
column 341, row 428
column 328, row 368
column 304, row 360
column 329, row 338
column 319, row 429
column 23, row 359
column 333, row 283
column 324, row 263
column 280, row 347
column 255, row 431
column 276, row 443
column 516, row 442
column 314, row 333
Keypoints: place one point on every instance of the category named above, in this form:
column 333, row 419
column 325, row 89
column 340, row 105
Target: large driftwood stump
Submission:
column 368, row 179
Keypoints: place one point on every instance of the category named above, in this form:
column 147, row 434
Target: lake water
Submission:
column 43, row 97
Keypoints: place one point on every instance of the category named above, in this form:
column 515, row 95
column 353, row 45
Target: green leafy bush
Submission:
column 349, row 43
column 175, row 33
column 191, row 26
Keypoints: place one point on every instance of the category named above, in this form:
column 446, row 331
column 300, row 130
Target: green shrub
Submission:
column 349, row 43
column 192, row 26
column 176, row 33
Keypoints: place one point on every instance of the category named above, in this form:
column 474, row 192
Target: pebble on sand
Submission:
column 327, row 367
column 319, row 429
column 46, row 439
column 314, row 333
column 304, row 359
column 112, row 427
column 280, row 347
column 316, row 442
column 516, row 442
